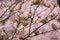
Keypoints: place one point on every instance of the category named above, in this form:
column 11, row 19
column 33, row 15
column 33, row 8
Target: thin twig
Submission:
column 9, row 14
column 49, row 12
column 8, row 8
column 17, row 26
column 32, row 20
column 45, row 32
column 41, row 26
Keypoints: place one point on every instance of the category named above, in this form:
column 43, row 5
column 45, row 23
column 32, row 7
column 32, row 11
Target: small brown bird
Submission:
column 36, row 2
column 43, row 21
column 36, row 32
column 20, row 37
column 25, row 23
column 30, row 14
column 51, row 15
column 54, row 27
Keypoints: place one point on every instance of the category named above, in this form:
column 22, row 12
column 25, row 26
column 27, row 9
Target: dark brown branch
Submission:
column 41, row 26
column 10, row 14
column 15, row 29
column 45, row 32
column 49, row 12
column 32, row 19
column 10, row 7
column 7, row 17
column 18, row 24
